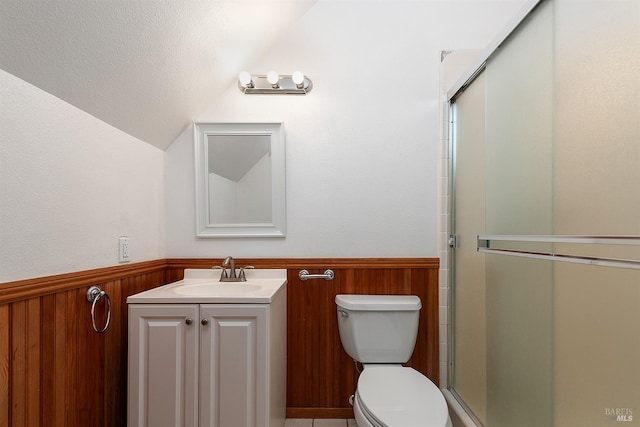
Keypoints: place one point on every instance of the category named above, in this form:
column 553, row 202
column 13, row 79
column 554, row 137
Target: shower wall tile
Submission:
column 444, row 316
column 444, row 373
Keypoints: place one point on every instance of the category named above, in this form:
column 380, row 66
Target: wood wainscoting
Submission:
column 56, row 371
column 321, row 376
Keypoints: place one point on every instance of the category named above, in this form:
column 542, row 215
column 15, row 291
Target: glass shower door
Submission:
column 519, row 292
column 468, row 356
column 547, row 155
column 597, row 192
column 502, row 324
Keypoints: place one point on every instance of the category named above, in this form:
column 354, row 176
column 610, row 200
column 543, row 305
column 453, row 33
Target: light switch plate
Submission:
column 124, row 253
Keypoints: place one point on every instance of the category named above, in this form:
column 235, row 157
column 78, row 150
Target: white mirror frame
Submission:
column 276, row 228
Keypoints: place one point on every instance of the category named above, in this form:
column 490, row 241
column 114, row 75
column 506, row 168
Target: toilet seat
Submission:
column 395, row 396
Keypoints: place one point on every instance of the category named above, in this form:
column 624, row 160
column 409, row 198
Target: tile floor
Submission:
column 308, row 422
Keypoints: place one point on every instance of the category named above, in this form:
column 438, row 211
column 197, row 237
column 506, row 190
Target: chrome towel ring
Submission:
column 94, row 293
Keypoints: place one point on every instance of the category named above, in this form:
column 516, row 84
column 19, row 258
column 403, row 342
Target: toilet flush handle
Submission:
column 343, row 313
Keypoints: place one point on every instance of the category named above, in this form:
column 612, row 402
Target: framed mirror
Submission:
column 240, row 179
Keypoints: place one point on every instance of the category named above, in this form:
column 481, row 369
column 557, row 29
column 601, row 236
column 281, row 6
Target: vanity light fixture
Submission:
column 272, row 83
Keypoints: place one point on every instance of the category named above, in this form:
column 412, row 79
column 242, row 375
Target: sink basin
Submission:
column 215, row 289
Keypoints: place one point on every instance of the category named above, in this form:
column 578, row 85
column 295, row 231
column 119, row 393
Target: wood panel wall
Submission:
column 321, row 376
column 56, row 371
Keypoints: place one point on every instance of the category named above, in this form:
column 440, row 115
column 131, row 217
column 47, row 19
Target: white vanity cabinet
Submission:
column 163, row 365
column 207, row 365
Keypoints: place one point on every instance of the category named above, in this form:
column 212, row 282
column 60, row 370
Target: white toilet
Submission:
column 380, row 332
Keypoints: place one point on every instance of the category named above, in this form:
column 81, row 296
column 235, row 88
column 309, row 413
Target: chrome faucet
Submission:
column 231, row 275
column 229, row 261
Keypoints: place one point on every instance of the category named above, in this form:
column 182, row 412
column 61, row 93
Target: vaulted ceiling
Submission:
column 148, row 68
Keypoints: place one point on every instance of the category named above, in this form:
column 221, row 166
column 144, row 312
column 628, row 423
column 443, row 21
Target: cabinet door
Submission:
column 233, row 357
column 163, row 365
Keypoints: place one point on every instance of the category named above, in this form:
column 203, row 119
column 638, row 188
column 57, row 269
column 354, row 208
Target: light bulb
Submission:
column 273, row 78
column 298, row 79
column 245, row 79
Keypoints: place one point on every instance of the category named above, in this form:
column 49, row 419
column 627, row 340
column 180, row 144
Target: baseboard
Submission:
column 320, row 413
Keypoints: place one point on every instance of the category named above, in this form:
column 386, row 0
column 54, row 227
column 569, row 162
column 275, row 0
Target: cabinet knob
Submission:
column 188, row 321
column 205, row 321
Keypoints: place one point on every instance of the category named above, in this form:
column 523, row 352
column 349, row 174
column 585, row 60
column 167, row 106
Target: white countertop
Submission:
column 203, row 286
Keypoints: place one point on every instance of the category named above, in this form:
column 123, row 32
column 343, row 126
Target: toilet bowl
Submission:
column 395, row 396
column 380, row 331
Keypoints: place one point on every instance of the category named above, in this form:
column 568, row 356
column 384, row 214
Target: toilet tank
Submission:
column 378, row 328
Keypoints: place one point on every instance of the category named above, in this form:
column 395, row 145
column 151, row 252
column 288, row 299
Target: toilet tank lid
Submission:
column 379, row 302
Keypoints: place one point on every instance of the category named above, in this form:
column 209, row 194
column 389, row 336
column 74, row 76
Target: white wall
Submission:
column 362, row 150
column 70, row 185
column 362, row 147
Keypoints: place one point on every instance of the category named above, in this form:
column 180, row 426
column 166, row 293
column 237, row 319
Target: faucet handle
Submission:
column 224, row 271
column 241, row 275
